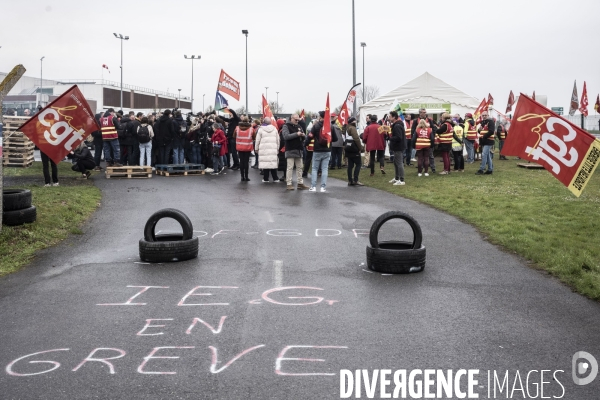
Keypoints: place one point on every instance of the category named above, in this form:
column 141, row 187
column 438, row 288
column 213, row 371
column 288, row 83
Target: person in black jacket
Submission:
column 231, row 151
column 165, row 132
column 126, row 138
column 98, row 144
column 180, row 128
column 83, row 160
column 321, row 154
column 398, row 147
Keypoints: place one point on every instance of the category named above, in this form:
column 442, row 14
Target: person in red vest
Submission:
column 374, row 139
column 244, row 136
column 110, row 124
column 445, row 133
column 422, row 138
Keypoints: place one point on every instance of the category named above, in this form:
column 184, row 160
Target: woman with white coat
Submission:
column 267, row 145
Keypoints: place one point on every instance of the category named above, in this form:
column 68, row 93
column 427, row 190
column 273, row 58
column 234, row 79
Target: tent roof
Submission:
column 424, row 89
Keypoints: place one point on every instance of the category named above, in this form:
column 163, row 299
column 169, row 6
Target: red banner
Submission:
column 490, row 100
column 62, row 125
column 511, row 102
column 229, row 85
column 326, row 131
column 482, row 106
column 565, row 150
column 268, row 113
column 584, row 101
column 343, row 117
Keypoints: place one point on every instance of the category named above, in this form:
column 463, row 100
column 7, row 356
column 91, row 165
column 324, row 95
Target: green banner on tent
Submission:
column 437, row 106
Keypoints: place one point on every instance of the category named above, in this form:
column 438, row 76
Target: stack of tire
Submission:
column 168, row 247
column 17, row 208
column 396, row 257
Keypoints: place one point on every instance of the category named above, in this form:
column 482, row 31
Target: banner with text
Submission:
column 565, row 150
column 229, row 85
column 62, row 125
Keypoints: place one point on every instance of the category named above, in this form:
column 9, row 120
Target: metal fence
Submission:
column 591, row 122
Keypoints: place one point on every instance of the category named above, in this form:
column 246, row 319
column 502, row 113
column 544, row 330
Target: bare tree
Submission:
column 276, row 108
column 371, row 92
column 241, row 110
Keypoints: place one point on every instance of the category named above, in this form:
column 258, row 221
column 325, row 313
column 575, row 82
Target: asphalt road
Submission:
column 104, row 325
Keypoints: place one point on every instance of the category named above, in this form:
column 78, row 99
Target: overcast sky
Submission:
column 303, row 49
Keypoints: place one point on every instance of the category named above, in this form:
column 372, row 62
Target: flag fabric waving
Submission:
column 490, row 100
column 543, row 137
column 342, row 118
column 302, row 114
column 480, row 108
column 221, row 103
column 325, row 135
column 106, row 67
column 584, row 101
column 511, row 102
column 268, row 113
column 62, row 125
column 533, row 96
column 574, row 100
column 229, row 85
column 597, row 105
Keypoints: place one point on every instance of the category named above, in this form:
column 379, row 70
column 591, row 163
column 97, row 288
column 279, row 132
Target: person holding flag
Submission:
column 323, row 135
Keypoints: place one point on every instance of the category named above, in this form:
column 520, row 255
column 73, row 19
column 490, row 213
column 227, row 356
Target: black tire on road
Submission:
column 16, row 199
column 396, row 258
column 19, row 217
column 168, row 248
column 383, row 218
column 184, row 221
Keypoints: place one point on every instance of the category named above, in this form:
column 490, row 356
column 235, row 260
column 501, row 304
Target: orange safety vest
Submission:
column 243, row 139
column 423, row 138
column 484, row 131
column 502, row 133
column 446, row 137
column 471, row 131
column 407, row 129
column 109, row 132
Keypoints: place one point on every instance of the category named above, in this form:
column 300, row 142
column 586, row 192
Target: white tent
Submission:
column 425, row 91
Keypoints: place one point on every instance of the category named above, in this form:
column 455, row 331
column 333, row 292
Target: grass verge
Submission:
column 61, row 211
column 525, row 211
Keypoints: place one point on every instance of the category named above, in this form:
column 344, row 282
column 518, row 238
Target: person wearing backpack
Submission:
column 181, row 129
column 144, row 136
column 353, row 148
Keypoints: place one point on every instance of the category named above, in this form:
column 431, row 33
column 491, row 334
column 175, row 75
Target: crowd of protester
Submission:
column 277, row 147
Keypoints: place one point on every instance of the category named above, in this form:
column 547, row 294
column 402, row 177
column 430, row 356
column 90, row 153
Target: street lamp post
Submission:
column 203, row 102
column 41, row 78
column 121, row 37
column 179, row 102
column 364, row 87
column 192, row 58
column 354, row 60
column 277, row 102
column 245, row 32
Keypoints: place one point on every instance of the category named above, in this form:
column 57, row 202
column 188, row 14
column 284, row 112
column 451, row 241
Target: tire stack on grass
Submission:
column 17, row 208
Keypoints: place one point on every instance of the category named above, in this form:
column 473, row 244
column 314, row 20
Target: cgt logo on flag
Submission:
column 62, row 125
column 568, row 152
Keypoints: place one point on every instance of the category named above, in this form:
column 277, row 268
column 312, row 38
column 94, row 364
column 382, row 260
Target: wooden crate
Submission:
column 128, row 172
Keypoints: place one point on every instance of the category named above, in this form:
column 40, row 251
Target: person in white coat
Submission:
column 267, row 145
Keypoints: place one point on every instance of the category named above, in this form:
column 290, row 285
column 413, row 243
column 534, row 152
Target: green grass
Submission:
column 527, row 212
column 60, row 211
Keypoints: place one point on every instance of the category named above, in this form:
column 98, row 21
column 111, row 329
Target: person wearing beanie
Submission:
column 353, row 147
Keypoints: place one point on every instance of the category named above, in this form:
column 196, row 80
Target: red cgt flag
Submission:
column 597, row 105
column 326, row 131
column 342, row 119
column 483, row 106
column 511, row 102
column 490, row 100
column 584, row 101
column 565, row 150
column 62, row 125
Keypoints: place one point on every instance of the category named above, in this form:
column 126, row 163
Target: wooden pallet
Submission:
column 530, row 166
column 18, row 156
column 8, row 144
column 19, row 164
column 180, row 172
column 128, row 172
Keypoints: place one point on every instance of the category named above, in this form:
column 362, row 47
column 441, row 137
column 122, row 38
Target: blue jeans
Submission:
column 178, row 155
column 320, row 161
column 470, row 150
column 145, row 149
column 113, row 145
column 196, row 154
column 486, row 158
